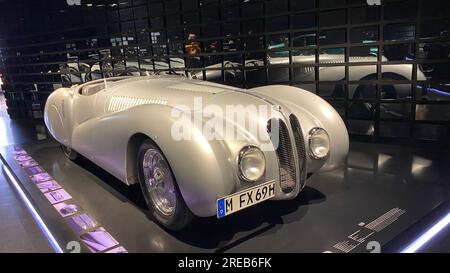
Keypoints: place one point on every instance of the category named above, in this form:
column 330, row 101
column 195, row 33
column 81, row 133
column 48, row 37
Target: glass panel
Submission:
column 332, row 55
column 398, row 32
column 127, row 27
column 211, row 31
column 252, row 9
column 303, row 56
column 212, row 60
column 362, row 91
column 332, row 73
column 126, row 14
column 189, row 4
column 146, row 65
column 364, row 34
column 430, row 131
column 231, row 45
column 395, row 91
column 156, row 22
column 433, row 92
column 172, row 6
column 332, row 18
column 276, row 43
column 232, row 60
column 361, row 127
column 230, row 13
column 214, row 76
column 362, row 72
column 255, row 77
column 363, row 54
column 434, row 51
column 400, row 10
column 434, row 71
column 254, row 59
column 332, row 90
column 161, row 63
column 439, row 8
column 210, row 15
column 302, row 5
column 143, row 38
column 303, row 73
column 140, row 12
column 435, row 29
column 394, row 129
column 230, row 29
column 277, row 23
column 132, row 67
column 178, row 63
column 396, row 72
column 174, row 35
column 364, row 15
column 361, row 110
column 395, row 111
column 300, row 39
column 399, row 52
column 304, row 20
column 190, row 18
column 276, row 6
column 253, row 26
column 331, row 3
column 176, row 48
column 335, row 36
column 278, row 74
column 155, row 10
column 432, row 112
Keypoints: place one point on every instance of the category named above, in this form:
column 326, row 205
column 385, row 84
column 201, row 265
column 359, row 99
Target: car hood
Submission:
column 172, row 91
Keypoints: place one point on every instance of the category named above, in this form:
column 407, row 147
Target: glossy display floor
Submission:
column 385, row 196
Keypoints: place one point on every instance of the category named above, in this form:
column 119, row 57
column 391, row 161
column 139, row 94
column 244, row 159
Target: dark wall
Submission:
column 384, row 68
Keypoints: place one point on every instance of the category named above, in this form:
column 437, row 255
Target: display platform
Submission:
column 385, row 196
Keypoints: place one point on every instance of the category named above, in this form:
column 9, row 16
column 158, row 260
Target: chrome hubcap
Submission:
column 159, row 181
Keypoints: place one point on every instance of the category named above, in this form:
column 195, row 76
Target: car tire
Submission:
column 160, row 190
column 70, row 153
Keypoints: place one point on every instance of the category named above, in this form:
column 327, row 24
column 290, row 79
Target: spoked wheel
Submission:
column 160, row 189
column 69, row 153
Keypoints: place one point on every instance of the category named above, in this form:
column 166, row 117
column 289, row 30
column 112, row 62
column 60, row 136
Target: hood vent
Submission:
column 121, row 103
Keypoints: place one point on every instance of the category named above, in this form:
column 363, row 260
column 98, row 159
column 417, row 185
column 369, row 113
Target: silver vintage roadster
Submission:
column 134, row 128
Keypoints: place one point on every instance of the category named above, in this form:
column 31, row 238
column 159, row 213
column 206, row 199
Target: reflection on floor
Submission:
column 18, row 230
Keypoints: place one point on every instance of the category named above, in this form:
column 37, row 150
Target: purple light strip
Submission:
column 434, row 90
column 427, row 235
column 34, row 212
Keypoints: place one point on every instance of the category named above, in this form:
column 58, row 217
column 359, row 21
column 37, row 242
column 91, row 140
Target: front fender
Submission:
column 313, row 111
column 202, row 168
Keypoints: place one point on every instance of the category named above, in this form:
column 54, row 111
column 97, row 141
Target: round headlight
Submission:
column 319, row 143
column 252, row 163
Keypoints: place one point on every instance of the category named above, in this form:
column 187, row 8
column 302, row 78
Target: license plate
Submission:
column 244, row 199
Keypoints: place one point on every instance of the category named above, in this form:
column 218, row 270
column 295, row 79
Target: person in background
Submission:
column 193, row 48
